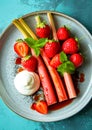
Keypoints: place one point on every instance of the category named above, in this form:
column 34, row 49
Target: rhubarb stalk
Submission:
column 67, row 77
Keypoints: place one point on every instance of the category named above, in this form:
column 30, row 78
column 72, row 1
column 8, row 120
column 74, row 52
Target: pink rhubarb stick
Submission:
column 45, row 81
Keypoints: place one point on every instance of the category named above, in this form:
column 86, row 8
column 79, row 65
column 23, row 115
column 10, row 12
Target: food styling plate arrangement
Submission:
column 21, row 103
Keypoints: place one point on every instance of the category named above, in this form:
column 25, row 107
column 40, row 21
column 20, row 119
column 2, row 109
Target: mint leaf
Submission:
column 36, row 44
column 63, row 57
column 37, row 51
column 40, row 43
column 30, row 42
column 67, row 66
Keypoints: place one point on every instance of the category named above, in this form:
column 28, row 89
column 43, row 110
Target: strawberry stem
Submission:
column 40, row 24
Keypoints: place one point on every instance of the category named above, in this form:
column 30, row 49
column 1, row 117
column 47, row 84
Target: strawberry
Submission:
column 51, row 48
column 77, row 59
column 55, row 61
column 18, row 60
column 40, row 106
column 21, row 48
column 70, row 46
column 42, row 29
column 29, row 63
column 63, row 33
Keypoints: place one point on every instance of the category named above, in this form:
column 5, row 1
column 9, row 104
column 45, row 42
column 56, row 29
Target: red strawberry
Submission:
column 51, row 48
column 63, row 33
column 77, row 59
column 42, row 30
column 70, row 46
column 21, row 48
column 40, row 106
column 18, row 60
column 29, row 63
column 55, row 62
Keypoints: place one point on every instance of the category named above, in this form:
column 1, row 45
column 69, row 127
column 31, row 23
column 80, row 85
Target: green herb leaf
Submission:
column 40, row 43
column 67, row 66
column 30, row 42
column 63, row 57
column 36, row 44
column 37, row 51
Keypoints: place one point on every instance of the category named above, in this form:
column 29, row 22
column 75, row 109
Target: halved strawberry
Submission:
column 29, row 63
column 21, row 48
column 40, row 106
column 51, row 48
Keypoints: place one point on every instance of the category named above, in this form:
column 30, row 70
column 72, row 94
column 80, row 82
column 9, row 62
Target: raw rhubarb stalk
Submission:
column 67, row 77
column 46, row 83
column 44, row 76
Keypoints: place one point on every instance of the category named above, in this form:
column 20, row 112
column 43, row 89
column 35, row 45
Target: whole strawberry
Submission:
column 63, row 33
column 29, row 63
column 70, row 46
column 42, row 29
column 76, row 59
column 55, row 61
column 51, row 48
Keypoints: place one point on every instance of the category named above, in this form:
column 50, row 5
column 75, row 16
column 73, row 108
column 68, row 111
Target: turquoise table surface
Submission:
column 80, row 10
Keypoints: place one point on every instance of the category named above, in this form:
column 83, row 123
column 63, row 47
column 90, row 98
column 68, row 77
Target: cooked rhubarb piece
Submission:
column 67, row 76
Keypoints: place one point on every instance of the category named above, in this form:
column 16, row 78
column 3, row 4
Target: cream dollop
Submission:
column 27, row 83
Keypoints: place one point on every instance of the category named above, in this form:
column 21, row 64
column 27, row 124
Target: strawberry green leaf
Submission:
column 67, row 66
column 63, row 57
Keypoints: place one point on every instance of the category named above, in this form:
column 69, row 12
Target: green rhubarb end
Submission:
column 40, row 24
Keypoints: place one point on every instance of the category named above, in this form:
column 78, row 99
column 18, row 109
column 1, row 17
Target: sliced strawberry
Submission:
column 70, row 46
column 55, row 61
column 21, row 48
column 40, row 106
column 77, row 59
column 51, row 48
column 63, row 33
column 42, row 29
column 29, row 63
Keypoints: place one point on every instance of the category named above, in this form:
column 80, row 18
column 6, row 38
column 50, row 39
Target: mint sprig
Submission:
column 63, row 57
column 36, row 44
column 66, row 66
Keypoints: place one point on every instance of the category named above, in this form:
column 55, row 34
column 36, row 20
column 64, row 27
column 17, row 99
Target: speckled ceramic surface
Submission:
column 21, row 104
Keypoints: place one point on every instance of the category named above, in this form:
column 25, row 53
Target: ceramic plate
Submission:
column 21, row 104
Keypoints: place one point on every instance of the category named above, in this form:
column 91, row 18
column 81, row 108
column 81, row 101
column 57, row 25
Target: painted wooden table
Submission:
column 80, row 10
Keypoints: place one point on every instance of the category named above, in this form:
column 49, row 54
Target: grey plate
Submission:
column 21, row 104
